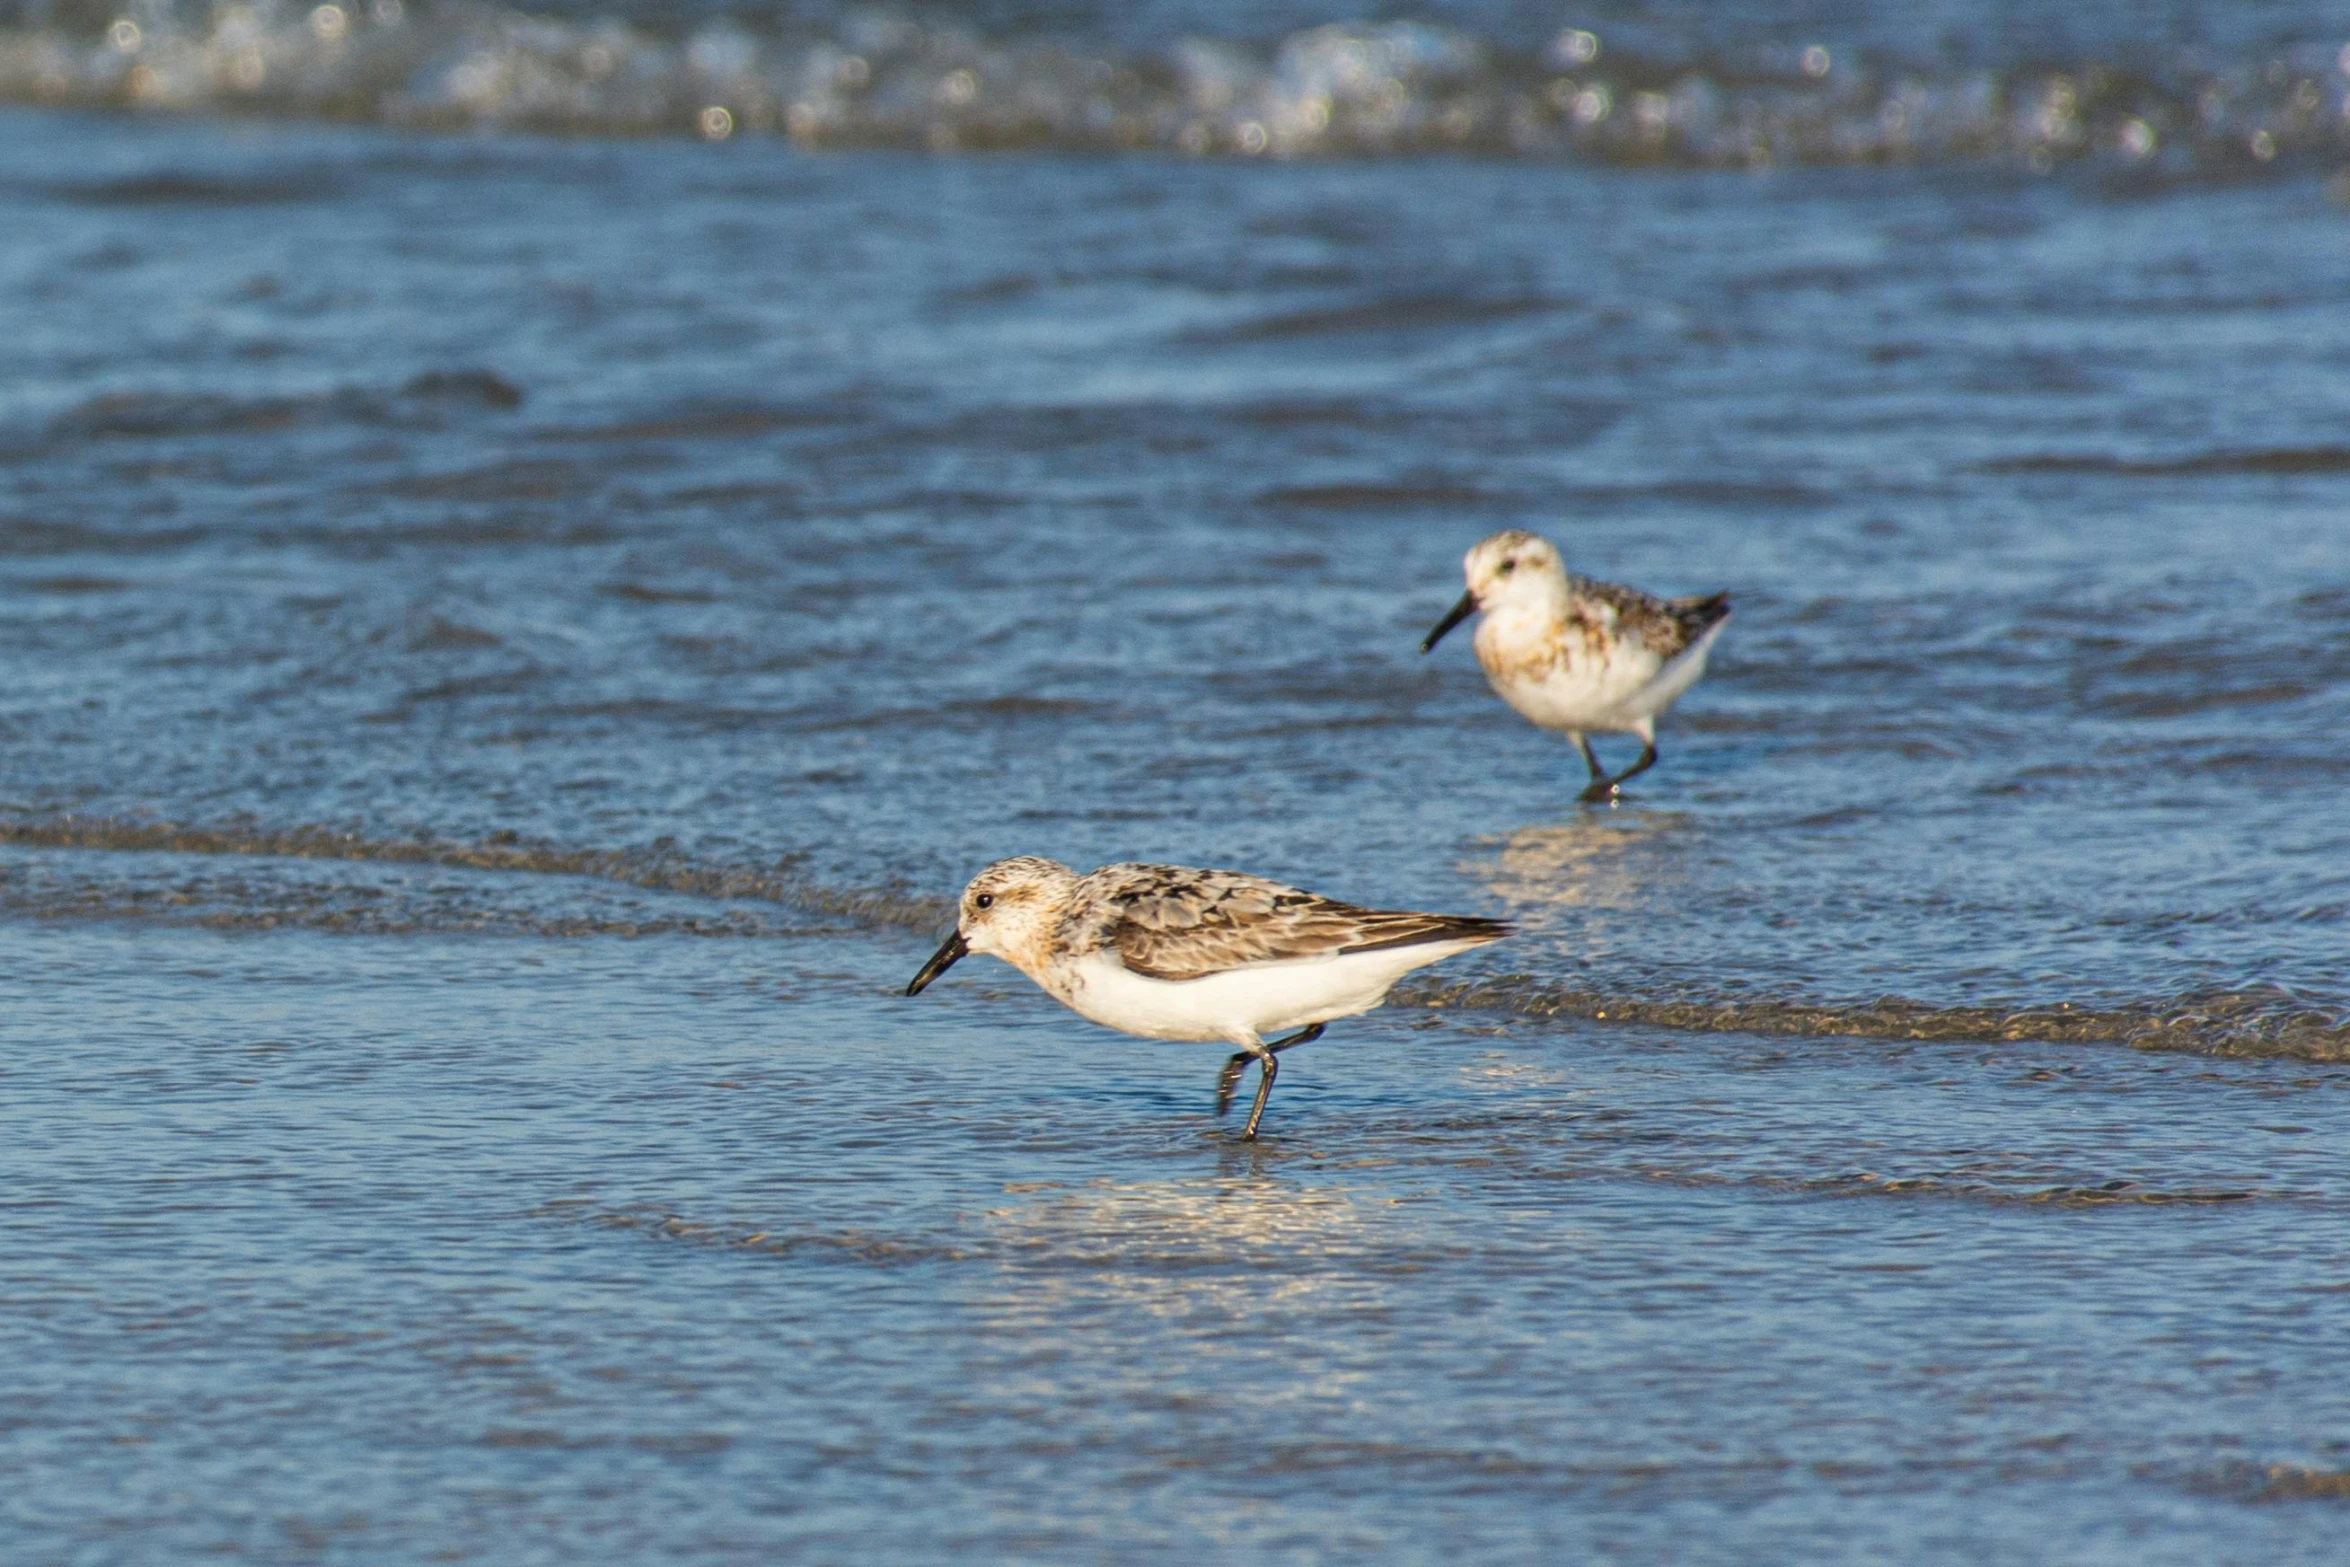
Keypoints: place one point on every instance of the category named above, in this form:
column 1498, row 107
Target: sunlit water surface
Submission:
column 509, row 644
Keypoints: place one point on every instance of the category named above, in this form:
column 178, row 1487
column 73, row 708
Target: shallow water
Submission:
column 336, row 1248
column 511, row 643
column 806, row 518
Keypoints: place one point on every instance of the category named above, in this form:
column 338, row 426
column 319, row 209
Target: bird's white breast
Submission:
column 1557, row 676
column 1241, row 1004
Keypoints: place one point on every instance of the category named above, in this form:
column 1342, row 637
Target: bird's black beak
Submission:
column 1452, row 617
column 946, row 957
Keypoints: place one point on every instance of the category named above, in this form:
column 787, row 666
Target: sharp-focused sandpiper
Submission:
column 1577, row 655
column 1168, row 952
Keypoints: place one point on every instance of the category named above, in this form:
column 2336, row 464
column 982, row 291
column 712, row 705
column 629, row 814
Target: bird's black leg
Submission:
column 1601, row 787
column 1605, row 788
column 1647, row 760
column 1229, row 1078
column 1304, row 1036
column 1598, row 773
column 1269, row 1069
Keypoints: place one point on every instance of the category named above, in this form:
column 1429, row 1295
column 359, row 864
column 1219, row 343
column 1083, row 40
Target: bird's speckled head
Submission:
column 1513, row 567
column 1514, row 576
column 1013, row 907
column 1011, row 910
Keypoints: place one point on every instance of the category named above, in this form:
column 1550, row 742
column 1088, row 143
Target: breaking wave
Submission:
column 658, row 868
column 2251, row 1022
column 1346, row 89
column 2265, row 1021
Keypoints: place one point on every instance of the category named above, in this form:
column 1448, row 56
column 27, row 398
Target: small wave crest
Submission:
column 2251, row 1482
column 2102, row 1194
column 1348, row 89
column 427, row 401
column 659, row 867
column 2267, row 1021
column 2276, row 461
column 839, row 1245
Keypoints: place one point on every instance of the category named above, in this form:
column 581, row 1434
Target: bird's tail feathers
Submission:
column 1701, row 613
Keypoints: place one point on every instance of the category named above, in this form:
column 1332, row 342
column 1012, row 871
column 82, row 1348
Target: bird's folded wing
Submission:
column 1169, row 922
column 1666, row 627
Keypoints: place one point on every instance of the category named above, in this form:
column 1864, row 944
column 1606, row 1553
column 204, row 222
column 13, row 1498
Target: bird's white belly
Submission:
column 1576, row 697
column 1616, row 693
column 1243, row 1003
column 1675, row 678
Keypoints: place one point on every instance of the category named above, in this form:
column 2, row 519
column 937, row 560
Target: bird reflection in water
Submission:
column 1621, row 862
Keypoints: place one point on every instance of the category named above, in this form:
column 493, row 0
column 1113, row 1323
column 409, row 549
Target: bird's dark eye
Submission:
column 985, row 900
column 1506, row 567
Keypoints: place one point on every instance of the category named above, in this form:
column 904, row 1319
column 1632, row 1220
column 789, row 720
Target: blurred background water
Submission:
column 537, row 552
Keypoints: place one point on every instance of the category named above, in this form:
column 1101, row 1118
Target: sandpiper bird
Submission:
column 1168, row 952
column 1583, row 656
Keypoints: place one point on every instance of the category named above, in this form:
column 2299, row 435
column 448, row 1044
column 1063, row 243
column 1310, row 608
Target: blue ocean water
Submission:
column 519, row 610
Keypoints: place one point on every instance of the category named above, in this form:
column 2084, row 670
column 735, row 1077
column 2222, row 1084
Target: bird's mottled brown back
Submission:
column 1667, row 627
column 1171, row 922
